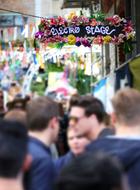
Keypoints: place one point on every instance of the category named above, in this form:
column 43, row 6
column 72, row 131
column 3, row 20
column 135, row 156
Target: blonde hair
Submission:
column 126, row 105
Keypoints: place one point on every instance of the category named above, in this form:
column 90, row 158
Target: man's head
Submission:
column 92, row 171
column 13, row 148
column 42, row 114
column 87, row 115
column 16, row 115
column 126, row 104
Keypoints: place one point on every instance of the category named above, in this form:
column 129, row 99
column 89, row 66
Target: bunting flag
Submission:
column 15, row 33
column 40, row 61
column 25, row 32
column 100, row 91
column 105, row 90
column 29, row 76
column 110, row 91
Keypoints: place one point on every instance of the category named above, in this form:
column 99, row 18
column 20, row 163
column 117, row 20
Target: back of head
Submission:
column 40, row 111
column 91, row 171
column 17, row 103
column 16, row 115
column 92, row 105
column 126, row 105
column 13, row 148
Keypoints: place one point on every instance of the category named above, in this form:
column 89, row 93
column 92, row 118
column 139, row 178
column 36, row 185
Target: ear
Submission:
column 113, row 118
column 53, row 122
column 27, row 163
column 94, row 118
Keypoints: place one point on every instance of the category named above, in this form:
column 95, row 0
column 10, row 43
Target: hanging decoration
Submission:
column 81, row 30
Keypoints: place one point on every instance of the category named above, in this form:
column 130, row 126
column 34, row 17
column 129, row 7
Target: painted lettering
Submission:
column 88, row 29
column 53, row 31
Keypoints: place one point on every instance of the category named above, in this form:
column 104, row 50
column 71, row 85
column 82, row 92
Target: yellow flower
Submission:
column 71, row 39
column 107, row 39
column 130, row 36
column 71, row 15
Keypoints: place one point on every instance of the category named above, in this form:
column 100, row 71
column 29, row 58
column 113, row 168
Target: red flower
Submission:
column 61, row 21
column 53, row 21
column 93, row 22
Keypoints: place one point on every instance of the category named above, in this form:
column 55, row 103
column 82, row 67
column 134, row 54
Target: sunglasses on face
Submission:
column 74, row 119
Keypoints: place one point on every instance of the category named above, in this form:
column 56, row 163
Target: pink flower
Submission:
column 115, row 20
column 39, row 34
column 98, row 40
column 85, row 42
column 61, row 21
column 53, row 21
column 93, row 22
column 114, row 40
column 75, row 20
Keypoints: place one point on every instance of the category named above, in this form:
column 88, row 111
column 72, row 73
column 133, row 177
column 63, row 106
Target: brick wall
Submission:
column 25, row 6
column 41, row 8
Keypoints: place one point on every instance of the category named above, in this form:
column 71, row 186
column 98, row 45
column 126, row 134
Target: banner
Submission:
column 100, row 91
column 105, row 90
column 89, row 31
column 123, row 77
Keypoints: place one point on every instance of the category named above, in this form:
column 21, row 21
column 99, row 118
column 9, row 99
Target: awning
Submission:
column 76, row 3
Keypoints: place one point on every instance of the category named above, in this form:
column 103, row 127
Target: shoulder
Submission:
column 38, row 150
column 63, row 160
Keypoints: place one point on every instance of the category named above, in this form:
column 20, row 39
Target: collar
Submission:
column 39, row 143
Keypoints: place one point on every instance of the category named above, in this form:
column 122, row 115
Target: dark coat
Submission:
column 63, row 161
column 127, row 151
column 42, row 171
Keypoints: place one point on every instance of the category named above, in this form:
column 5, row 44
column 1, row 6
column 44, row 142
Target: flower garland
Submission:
column 126, row 35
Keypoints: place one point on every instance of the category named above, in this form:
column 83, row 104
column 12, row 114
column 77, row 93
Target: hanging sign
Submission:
column 89, row 31
column 81, row 30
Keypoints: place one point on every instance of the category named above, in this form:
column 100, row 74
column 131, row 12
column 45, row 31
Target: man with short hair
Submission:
column 43, row 124
column 13, row 155
column 16, row 115
column 125, row 145
column 89, row 114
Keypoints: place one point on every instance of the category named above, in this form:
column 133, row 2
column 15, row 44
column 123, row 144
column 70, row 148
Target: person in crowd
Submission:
column 14, row 159
column 43, row 125
column 77, row 144
column 125, row 144
column 62, row 144
column 2, row 111
column 89, row 112
column 92, row 171
column 73, row 101
column 18, row 103
column 16, row 115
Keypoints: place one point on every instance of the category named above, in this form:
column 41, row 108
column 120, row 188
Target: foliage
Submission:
column 82, row 82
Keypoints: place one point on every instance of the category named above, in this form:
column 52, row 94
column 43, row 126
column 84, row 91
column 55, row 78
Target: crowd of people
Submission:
column 46, row 148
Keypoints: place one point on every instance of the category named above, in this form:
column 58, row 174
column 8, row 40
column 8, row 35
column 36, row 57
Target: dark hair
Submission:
column 92, row 105
column 13, row 148
column 40, row 111
column 73, row 100
column 16, row 115
column 17, row 103
column 91, row 171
